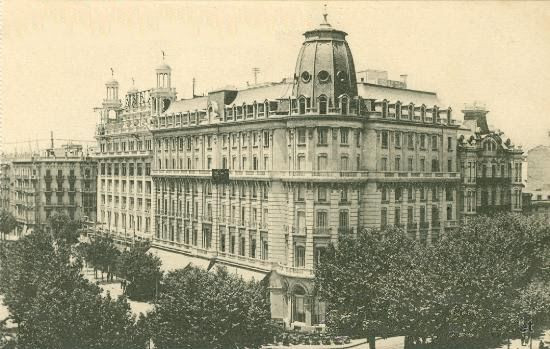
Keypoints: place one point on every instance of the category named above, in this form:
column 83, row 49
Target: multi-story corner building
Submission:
column 308, row 159
column 5, row 185
column 325, row 153
column 491, row 167
column 59, row 180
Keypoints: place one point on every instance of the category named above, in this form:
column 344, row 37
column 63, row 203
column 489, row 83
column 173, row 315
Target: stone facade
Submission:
column 308, row 159
column 59, row 180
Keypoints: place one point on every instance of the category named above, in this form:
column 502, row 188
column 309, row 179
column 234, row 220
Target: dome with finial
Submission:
column 112, row 82
column 325, row 64
column 164, row 67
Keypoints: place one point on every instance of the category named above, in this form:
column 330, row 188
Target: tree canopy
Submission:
column 468, row 289
column 201, row 309
column 7, row 223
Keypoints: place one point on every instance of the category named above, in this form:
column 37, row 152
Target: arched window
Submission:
column 344, row 105
column 302, row 105
column 298, row 304
column 323, row 105
column 398, row 110
column 385, row 109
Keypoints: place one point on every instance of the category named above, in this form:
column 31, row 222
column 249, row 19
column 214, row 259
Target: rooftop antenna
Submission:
column 193, row 88
column 255, row 71
column 112, row 72
column 163, row 55
column 133, row 82
column 51, row 134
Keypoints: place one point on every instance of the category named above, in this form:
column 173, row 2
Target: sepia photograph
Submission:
column 274, row 174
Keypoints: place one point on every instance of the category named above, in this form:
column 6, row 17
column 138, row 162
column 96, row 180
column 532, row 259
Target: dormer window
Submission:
column 411, row 111
column 323, row 105
column 306, row 77
column 435, row 113
column 398, row 110
column 344, row 105
column 385, row 109
column 302, row 105
column 423, row 112
column 323, row 76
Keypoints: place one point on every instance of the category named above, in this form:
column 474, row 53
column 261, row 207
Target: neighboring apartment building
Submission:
column 5, row 185
column 538, row 181
column 309, row 158
column 491, row 167
column 59, row 180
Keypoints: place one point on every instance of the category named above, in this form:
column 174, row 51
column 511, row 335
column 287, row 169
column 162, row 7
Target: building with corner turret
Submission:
column 324, row 153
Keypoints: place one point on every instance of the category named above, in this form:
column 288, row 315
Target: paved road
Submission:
column 388, row 343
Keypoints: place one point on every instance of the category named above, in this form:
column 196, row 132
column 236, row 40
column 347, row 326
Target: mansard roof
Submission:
column 393, row 94
column 259, row 94
column 188, row 105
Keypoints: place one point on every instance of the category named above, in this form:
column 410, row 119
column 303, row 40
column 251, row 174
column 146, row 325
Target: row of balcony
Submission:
column 380, row 175
column 125, row 153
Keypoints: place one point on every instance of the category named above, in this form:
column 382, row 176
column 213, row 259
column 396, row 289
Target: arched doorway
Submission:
column 298, row 304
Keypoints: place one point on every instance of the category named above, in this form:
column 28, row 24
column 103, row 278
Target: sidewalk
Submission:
column 113, row 287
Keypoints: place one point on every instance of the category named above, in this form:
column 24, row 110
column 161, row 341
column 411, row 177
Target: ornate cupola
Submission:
column 111, row 104
column 325, row 73
column 163, row 95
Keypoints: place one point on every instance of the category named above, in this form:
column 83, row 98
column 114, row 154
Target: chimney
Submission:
column 404, row 79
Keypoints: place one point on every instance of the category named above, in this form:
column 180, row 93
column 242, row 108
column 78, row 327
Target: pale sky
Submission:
column 56, row 56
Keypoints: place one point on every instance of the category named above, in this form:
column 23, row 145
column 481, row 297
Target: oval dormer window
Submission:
column 341, row 76
column 306, row 76
column 323, row 76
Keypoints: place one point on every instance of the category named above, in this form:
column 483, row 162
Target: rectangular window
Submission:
column 410, row 141
column 449, row 144
column 323, row 136
column 435, row 165
column 344, row 135
column 397, row 164
column 397, row 216
column 301, row 136
column 422, row 141
column 410, row 214
column 410, row 164
column 435, row 142
column 449, row 165
column 322, row 219
column 383, row 164
column 322, row 163
column 384, row 139
column 397, row 139
column 322, row 194
column 266, row 139
column 383, row 217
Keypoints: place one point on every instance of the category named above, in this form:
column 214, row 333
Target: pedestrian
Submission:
column 541, row 345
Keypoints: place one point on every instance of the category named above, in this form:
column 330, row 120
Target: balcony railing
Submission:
column 322, row 231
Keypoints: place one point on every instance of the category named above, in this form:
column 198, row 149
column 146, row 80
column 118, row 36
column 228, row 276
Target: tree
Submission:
column 55, row 307
column 102, row 254
column 23, row 268
column 469, row 290
column 350, row 280
column 201, row 309
column 7, row 223
column 64, row 229
column 141, row 269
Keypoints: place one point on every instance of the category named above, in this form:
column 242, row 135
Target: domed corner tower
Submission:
column 325, row 71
